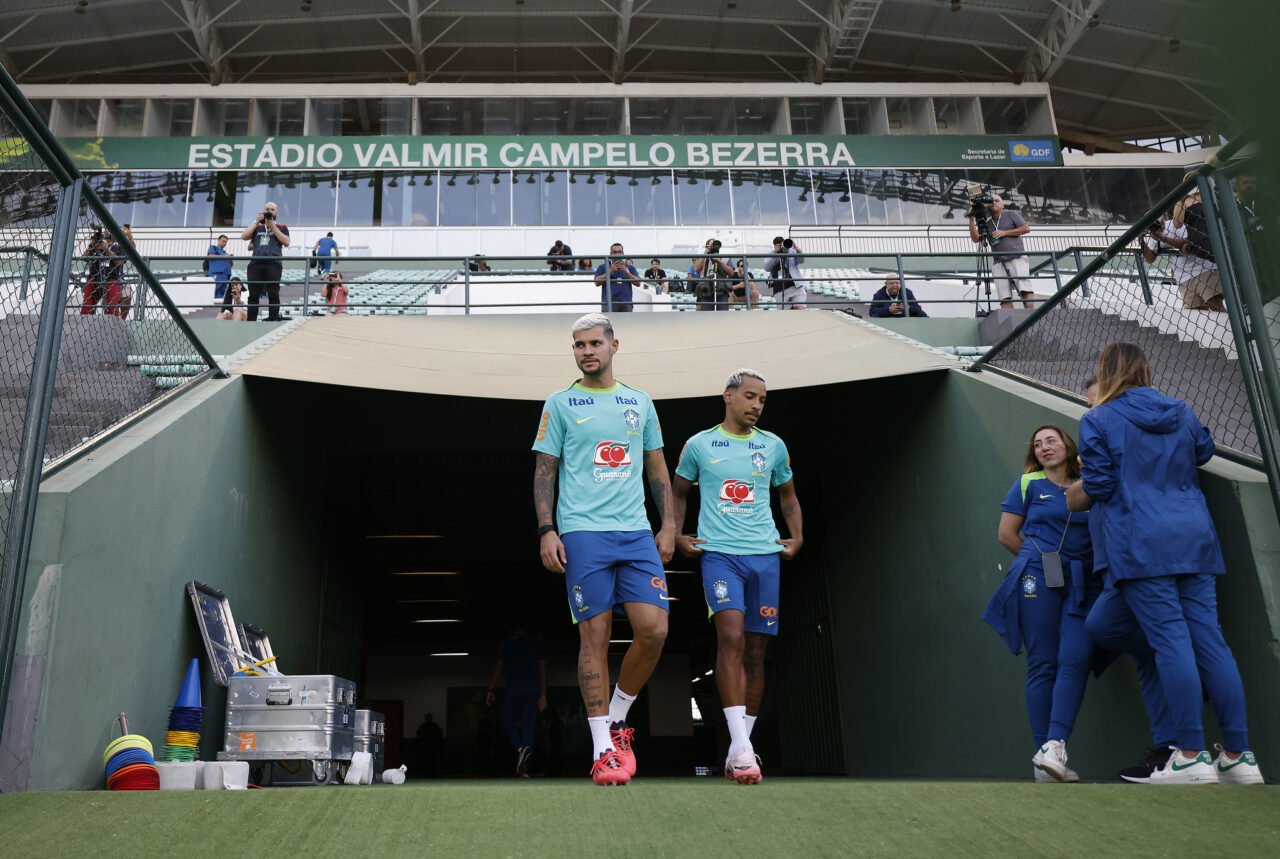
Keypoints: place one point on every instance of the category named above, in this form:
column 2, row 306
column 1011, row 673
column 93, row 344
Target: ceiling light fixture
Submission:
column 438, row 620
column 955, row 5
column 425, row 573
column 82, row 6
column 451, row 654
column 1093, row 21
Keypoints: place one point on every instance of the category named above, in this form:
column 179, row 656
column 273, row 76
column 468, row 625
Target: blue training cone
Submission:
column 189, row 696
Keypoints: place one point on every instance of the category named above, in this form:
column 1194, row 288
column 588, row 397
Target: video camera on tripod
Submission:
column 980, row 198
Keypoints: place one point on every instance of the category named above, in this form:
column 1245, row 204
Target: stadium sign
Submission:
column 557, row 153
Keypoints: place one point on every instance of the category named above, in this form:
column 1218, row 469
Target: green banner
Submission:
column 550, row 153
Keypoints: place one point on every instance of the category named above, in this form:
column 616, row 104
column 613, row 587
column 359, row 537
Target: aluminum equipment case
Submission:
column 305, row 723
column 371, row 732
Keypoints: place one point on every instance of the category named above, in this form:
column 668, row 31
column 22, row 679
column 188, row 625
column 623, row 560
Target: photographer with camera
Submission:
column 267, row 240
column 1002, row 230
column 615, row 279
column 783, row 266
column 98, row 273
column 713, row 278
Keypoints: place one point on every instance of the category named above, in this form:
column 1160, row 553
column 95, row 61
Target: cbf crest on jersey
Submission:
column 1028, row 585
column 758, row 462
column 721, row 590
column 632, row 417
column 578, row 599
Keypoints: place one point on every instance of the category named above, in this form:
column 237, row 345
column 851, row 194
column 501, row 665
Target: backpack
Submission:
column 1197, row 232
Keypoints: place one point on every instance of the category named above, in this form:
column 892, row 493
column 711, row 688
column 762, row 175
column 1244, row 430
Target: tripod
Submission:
column 983, row 268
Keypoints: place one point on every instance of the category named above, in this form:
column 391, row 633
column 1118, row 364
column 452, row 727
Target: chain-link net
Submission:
column 1163, row 293
column 28, row 204
column 120, row 347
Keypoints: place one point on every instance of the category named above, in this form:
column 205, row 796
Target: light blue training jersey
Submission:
column 735, row 475
column 600, row 437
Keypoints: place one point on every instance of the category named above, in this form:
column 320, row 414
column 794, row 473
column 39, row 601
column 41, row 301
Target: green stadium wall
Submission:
column 198, row 491
column 884, row 668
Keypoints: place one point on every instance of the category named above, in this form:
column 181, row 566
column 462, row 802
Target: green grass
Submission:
column 653, row 817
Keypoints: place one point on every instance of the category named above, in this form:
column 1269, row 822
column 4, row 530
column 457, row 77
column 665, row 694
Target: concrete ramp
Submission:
column 525, row 357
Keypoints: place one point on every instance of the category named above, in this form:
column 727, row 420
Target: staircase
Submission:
column 1189, row 360
column 94, row 386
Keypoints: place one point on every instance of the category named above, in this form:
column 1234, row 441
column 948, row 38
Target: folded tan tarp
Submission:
column 668, row 355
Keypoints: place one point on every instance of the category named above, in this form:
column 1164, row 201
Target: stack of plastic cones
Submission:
column 182, row 741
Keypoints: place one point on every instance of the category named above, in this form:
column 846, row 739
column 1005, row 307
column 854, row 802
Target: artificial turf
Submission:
column 652, row 817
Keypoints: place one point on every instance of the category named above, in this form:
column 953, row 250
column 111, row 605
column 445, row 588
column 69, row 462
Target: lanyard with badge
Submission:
column 264, row 238
column 1052, row 561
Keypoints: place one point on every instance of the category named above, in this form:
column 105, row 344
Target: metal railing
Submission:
column 64, row 373
column 952, row 284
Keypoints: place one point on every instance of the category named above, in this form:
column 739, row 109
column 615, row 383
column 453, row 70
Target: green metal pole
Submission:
column 35, row 429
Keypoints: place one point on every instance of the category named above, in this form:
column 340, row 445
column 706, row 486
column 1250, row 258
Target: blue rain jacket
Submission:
column 1141, row 452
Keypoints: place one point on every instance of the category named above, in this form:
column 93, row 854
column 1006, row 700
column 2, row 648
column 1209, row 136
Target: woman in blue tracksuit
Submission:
column 1043, row 601
column 1140, row 452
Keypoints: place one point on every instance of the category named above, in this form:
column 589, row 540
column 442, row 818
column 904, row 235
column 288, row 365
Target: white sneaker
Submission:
column 1052, row 759
column 1043, row 777
column 1181, row 769
column 1243, row 770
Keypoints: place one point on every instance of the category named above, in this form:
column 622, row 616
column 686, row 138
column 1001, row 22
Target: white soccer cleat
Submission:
column 744, row 767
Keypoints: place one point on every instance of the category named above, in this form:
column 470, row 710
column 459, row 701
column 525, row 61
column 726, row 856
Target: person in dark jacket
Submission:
column 1140, row 452
column 1043, row 600
column 889, row 301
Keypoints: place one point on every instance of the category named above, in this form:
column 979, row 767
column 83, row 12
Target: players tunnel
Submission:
column 385, row 533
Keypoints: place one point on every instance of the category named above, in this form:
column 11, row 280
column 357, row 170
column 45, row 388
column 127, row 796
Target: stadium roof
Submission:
column 1117, row 68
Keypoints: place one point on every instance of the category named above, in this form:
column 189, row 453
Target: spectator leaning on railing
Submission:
column 893, row 300
column 560, row 256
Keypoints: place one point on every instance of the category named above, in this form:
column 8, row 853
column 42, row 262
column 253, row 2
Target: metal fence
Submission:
column 71, row 349
column 1197, row 311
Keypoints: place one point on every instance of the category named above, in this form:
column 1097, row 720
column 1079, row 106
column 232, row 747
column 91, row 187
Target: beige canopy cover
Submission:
column 668, row 355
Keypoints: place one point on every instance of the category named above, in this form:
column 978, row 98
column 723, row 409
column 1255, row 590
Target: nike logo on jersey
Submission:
column 1042, row 497
column 584, row 420
column 771, row 623
column 664, row 596
column 716, row 461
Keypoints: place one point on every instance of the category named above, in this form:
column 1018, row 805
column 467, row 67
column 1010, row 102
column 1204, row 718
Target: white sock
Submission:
column 751, row 723
column 736, row 718
column 599, row 726
column 620, row 705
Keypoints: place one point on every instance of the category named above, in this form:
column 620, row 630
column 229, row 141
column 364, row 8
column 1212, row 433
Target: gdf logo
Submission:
column 612, row 453
column 738, row 491
column 768, row 611
column 1031, row 150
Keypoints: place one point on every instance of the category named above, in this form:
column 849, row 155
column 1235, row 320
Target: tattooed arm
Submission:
column 544, row 502
column 655, row 470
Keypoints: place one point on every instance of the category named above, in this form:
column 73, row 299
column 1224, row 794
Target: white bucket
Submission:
column 226, row 775
column 177, row 775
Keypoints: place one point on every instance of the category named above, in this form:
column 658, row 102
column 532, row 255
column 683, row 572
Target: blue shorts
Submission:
column 748, row 583
column 608, row 568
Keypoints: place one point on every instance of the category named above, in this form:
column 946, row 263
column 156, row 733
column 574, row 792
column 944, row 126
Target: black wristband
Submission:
column 545, row 529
